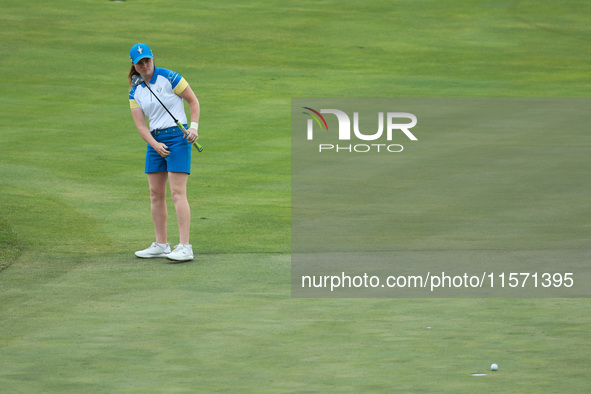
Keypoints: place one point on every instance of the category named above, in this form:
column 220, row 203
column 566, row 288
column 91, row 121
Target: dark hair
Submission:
column 132, row 72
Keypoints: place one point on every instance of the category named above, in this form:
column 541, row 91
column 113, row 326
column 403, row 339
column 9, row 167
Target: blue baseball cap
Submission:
column 140, row 51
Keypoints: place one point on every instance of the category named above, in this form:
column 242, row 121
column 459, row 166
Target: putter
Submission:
column 138, row 80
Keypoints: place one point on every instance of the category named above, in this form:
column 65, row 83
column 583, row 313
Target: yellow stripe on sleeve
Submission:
column 133, row 104
column 181, row 86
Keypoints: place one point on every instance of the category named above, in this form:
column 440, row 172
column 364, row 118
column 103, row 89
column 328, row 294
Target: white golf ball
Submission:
column 494, row 367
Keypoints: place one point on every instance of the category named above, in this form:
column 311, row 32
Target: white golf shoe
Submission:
column 154, row 250
column 181, row 253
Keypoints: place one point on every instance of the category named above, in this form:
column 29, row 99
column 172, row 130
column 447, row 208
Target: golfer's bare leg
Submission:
column 178, row 190
column 157, row 182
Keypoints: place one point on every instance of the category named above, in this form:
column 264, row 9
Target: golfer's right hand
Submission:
column 161, row 149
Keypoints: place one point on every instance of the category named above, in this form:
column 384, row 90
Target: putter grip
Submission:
column 195, row 144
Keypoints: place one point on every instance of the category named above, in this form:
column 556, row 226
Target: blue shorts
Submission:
column 179, row 159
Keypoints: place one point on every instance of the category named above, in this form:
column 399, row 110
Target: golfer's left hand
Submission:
column 192, row 136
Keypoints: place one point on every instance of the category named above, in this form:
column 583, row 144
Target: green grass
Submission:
column 79, row 313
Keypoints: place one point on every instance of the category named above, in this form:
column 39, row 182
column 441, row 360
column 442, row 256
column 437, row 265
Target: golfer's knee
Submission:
column 157, row 196
column 178, row 195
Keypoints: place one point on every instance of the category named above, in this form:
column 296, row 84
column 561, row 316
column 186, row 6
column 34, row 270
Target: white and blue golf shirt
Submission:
column 167, row 85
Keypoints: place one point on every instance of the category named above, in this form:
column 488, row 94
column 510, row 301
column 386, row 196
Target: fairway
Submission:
column 80, row 313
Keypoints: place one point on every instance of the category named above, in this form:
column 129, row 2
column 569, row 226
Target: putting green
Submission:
column 79, row 313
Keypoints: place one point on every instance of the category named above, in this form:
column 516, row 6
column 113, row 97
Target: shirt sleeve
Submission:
column 177, row 82
column 132, row 103
column 181, row 86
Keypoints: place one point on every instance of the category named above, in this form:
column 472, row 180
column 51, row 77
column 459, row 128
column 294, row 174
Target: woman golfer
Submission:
column 168, row 156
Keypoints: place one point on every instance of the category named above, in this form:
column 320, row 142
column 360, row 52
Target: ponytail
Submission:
column 132, row 72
